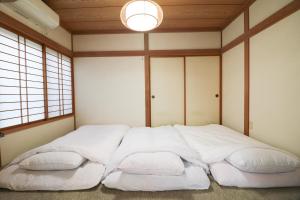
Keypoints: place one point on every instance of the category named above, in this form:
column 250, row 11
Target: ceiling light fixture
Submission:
column 141, row 15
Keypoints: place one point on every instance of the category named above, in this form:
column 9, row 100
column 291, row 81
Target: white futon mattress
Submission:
column 227, row 175
column 194, row 178
column 86, row 176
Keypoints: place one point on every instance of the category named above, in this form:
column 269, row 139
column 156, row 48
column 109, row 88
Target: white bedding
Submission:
column 86, row 176
column 156, row 140
column 227, row 175
column 215, row 142
column 151, row 140
column 153, row 164
column 53, row 161
column 194, row 178
column 95, row 143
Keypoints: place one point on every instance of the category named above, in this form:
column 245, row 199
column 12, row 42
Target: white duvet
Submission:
column 156, row 140
column 215, row 142
column 95, row 143
column 151, row 140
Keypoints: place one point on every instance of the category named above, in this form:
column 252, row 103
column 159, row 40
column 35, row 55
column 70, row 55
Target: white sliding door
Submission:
column 167, row 91
column 202, row 90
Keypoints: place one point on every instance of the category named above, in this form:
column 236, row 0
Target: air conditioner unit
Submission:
column 36, row 11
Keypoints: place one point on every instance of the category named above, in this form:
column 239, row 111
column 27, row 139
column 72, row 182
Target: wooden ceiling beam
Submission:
column 170, row 12
column 158, row 30
column 61, row 4
column 166, row 26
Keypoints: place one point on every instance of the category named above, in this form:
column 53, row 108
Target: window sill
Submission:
column 33, row 124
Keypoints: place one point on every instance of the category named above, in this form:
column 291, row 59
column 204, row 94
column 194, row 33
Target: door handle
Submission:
column 153, row 97
column 217, row 95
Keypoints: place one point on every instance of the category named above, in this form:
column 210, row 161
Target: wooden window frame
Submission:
column 45, row 44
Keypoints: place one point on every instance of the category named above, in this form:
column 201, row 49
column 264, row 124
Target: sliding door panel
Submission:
column 167, row 91
column 202, row 90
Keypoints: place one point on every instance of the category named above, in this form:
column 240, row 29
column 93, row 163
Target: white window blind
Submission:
column 59, row 83
column 21, row 80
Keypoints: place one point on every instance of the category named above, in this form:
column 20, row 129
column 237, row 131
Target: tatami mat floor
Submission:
column 215, row 192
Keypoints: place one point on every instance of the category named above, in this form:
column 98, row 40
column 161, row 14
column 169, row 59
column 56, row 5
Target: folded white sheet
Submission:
column 52, row 161
column 158, row 163
column 86, row 176
column 227, row 175
column 194, row 178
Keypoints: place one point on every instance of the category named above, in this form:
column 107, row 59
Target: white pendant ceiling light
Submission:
column 141, row 15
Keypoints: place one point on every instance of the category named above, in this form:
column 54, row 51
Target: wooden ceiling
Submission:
column 103, row 16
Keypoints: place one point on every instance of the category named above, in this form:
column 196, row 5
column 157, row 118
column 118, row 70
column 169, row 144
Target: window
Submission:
column 59, row 83
column 23, row 96
column 21, row 80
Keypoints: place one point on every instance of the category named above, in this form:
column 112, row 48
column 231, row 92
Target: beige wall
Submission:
column 261, row 9
column 194, row 40
column 233, row 88
column 274, row 77
column 109, row 42
column 110, row 90
column 59, row 34
column 14, row 144
column 275, row 84
column 233, row 30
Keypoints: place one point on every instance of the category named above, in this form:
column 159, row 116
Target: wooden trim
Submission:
column 276, row 17
column 0, row 159
column 152, row 53
column 73, row 85
column 146, row 41
column 246, row 6
column 185, row 52
column 21, row 127
column 221, row 83
column 184, row 89
column 148, row 90
column 171, row 30
column 107, row 53
column 73, row 93
column 234, row 43
column 147, row 82
column 20, row 80
column 45, row 81
column 59, row 82
column 26, row 82
column 269, row 21
column 11, row 24
column 246, row 74
column 220, row 91
column 163, row 30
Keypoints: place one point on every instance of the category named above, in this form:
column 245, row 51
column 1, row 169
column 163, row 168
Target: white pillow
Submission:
column 52, row 161
column 263, row 161
column 160, row 163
